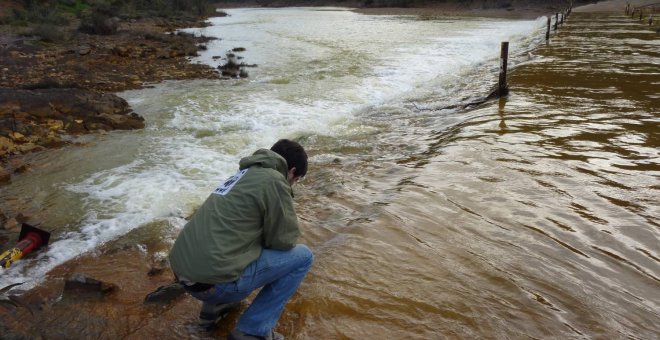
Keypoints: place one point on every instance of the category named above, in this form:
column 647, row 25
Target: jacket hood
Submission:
column 266, row 159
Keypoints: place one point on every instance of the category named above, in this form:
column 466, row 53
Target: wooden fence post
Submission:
column 547, row 32
column 502, row 88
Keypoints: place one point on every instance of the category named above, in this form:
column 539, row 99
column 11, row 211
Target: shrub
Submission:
column 99, row 23
column 73, row 7
column 48, row 33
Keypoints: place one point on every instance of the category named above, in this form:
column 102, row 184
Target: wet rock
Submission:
column 238, row 49
column 38, row 107
column 76, row 127
column 121, row 51
column 17, row 136
column 7, row 146
column 20, row 218
column 231, row 68
column 35, row 118
column 28, row 147
column 9, row 106
column 5, row 177
column 54, row 125
column 155, row 271
column 165, row 294
column 12, row 225
column 80, row 285
column 84, row 49
column 19, row 166
column 158, row 266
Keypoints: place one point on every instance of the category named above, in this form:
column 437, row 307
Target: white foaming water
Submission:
column 319, row 70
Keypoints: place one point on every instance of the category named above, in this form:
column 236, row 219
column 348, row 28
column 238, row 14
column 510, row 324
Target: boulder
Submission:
column 122, row 122
column 80, row 285
column 31, row 116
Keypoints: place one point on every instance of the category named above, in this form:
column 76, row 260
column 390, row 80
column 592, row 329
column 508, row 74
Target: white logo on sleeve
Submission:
column 229, row 183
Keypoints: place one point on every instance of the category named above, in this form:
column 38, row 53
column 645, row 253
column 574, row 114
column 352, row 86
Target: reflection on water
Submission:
column 533, row 216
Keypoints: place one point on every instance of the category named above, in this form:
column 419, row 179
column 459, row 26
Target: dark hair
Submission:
column 294, row 154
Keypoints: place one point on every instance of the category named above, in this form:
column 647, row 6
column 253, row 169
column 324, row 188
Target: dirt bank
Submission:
column 50, row 86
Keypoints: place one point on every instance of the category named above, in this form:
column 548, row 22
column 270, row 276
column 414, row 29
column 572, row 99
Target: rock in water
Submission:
column 82, row 286
column 5, row 177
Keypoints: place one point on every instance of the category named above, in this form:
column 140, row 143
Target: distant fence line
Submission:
column 502, row 87
column 641, row 11
column 560, row 17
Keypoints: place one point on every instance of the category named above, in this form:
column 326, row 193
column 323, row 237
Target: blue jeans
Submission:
column 278, row 272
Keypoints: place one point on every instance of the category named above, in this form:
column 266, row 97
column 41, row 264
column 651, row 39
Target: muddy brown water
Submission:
column 533, row 216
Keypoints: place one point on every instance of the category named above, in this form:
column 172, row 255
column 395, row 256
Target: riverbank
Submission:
column 57, row 88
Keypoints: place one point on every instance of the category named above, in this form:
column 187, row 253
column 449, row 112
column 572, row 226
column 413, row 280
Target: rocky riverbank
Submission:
column 52, row 90
column 33, row 120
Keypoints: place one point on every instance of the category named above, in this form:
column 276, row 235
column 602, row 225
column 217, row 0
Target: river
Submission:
column 532, row 216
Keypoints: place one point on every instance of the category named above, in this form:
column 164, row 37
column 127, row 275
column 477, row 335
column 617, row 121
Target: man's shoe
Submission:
column 211, row 313
column 238, row 335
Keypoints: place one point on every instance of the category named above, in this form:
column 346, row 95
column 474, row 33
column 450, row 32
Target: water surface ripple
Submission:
column 532, row 216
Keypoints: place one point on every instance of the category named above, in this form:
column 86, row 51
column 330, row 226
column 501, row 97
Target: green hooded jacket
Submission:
column 250, row 211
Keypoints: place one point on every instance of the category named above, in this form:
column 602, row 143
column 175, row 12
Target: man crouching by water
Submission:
column 243, row 237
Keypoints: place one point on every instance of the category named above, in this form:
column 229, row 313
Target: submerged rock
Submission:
column 5, row 177
column 82, row 286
